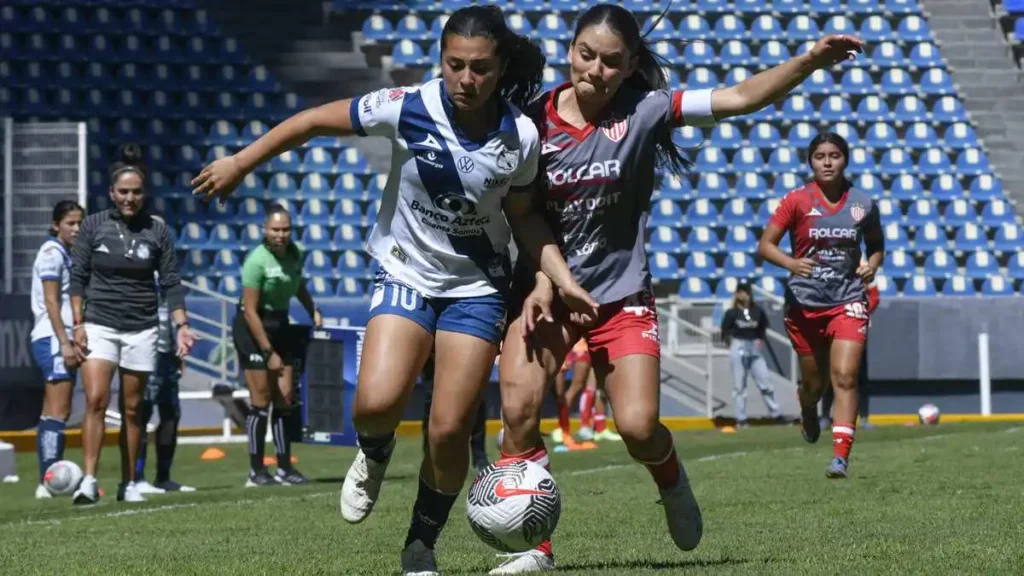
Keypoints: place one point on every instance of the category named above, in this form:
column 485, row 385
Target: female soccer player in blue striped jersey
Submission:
column 52, row 347
column 601, row 136
column 463, row 156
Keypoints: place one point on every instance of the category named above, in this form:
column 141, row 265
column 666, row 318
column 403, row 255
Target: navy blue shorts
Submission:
column 46, row 353
column 480, row 316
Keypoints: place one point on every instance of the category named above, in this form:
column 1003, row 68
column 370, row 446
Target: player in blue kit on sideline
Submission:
column 464, row 158
column 603, row 135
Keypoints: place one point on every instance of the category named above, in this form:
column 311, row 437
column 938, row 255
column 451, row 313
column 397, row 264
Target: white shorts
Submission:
column 129, row 350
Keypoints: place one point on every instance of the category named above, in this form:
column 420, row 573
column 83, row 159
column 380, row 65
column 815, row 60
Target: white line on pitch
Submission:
column 598, row 470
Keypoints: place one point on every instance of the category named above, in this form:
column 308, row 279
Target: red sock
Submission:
column 540, row 456
column 842, row 440
column 599, row 423
column 563, row 417
column 587, row 408
column 666, row 472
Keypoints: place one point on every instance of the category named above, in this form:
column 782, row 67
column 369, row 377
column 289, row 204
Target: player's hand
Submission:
column 803, row 267
column 81, row 344
column 835, row 48
column 866, row 273
column 318, row 319
column 67, row 350
column 274, row 363
column 582, row 306
column 218, row 179
column 186, row 339
column 536, row 307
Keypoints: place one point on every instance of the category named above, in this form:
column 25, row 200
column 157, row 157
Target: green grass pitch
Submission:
column 947, row 499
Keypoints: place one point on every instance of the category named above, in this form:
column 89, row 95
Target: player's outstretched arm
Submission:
column 771, row 85
column 220, row 178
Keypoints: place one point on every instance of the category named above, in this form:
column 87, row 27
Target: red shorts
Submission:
column 812, row 329
column 629, row 326
column 579, row 353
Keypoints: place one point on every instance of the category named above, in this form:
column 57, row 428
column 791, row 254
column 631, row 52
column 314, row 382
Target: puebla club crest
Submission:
column 857, row 212
column 614, row 130
column 508, row 160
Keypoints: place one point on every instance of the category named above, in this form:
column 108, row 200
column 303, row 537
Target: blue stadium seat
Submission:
column 986, row 187
column 668, row 52
column 920, row 213
column 773, row 52
column 205, row 283
column 802, row 27
column 711, row 159
column 663, row 266
column 939, row 264
column 906, row 188
column 282, row 186
column 352, row 264
column 348, row 237
column 767, row 208
column 925, row 55
column 315, row 186
column 223, row 133
column 872, row 109
column 857, row 81
column 412, row 27
column 1015, row 266
column 376, row 187
column 910, row 109
column 886, row 287
column 349, row 287
column 801, row 134
column 726, row 135
column 735, row 53
column 789, row 6
column 194, row 262
column 727, row 287
column 230, row 286
column 348, row 212
column 250, row 210
column 694, row 288
column 876, row 29
column 318, row 160
column 665, row 213
column 250, row 236
column 981, row 264
column 902, row 6
column 799, row 108
column 555, row 52
column 896, row 82
column 839, row 24
column 821, row 82
column 318, row 263
column 352, row 161
column 219, row 211
column 896, row 162
column 766, row 28
column 826, row 7
column 959, row 212
column 1008, row 238
column 946, row 188
column 1014, row 6
column 836, row 108
column 880, row 136
column 972, row 161
column 251, row 187
column 784, row 160
column 958, row 286
column 320, row 287
column 666, row 239
column 748, row 159
column 674, row 187
column 736, row 76
column 751, row 186
column 784, row 183
column 314, row 211
column 898, row 264
column 886, row 55
column 407, row 53
column 699, row 265
column 700, row 213
column 960, row 135
column 929, row 237
column 702, row 239
column 226, row 263
column 700, row 78
column 692, row 27
column 997, row 286
column 713, row 6
column 764, row 135
column 771, row 285
column 737, row 212
column 740, row 239
column 913, row 28
column 936, row 81
column 376, row 28
column 695, row 54
column 934, row 162
column 212, row 155
column 861, row 161
column 553, row 27
column 223, row 236
column 252, row 131
column 921, row 135
column 947, row 109
column 997, row 212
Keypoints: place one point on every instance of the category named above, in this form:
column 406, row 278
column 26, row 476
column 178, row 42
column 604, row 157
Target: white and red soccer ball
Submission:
column 928, row 414
column 513, row 505
column 62, row 477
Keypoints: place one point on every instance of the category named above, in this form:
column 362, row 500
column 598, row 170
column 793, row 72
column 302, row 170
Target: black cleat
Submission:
column 290, row 477
column 810, row 426
column 260, row 479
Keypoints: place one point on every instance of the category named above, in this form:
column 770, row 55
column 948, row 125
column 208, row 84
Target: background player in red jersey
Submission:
column 826, row 299
column 578, row 361
column 602, row 136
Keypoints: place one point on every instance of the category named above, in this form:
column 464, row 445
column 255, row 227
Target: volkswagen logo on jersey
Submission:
column 466, row 164
column 857, row 212
column 614, row 129
column 508, row 160
column 455, row 204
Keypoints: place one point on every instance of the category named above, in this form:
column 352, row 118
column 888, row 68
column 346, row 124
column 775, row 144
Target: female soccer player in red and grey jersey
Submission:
column 601, row 136
column 826, row 298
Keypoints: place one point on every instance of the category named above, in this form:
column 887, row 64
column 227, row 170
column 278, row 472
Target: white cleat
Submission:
column 585, row 434
column 418, row 560
column 129, row 493
column 87, row 493
column 362, row 485
column 42, row 493
column 524, row 562
column 682, row 512
column 146, row 488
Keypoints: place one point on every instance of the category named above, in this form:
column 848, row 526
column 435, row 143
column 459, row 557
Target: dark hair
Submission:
column 650, row 69
column 745, row 287
column 62, row 209
column 131, row 161
column 275, row 209
column 523, row 61
column 828, row 138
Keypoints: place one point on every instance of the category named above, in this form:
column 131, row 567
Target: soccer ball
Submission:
column 513, row 505
column 928, row 414
column 62, row 477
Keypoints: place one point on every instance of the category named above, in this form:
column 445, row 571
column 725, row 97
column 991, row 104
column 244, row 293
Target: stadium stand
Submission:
column 163, row 74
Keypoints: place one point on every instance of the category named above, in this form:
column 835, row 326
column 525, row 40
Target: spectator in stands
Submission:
column 162, row 390
column 52, row 347
column 744, row 326
column 271, row 277
column 114, row 305
column 477, row 436
column 464, row 158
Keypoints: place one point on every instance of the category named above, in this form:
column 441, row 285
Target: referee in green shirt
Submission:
column 271, row 277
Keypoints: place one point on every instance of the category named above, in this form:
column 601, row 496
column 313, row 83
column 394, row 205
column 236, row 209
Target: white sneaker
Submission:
column 146, row 488
column 682, row 512
column 523, row 562
column 585, row 434
column 418, row 560
column 42, row 493
column 362, row 486
column 87, row 492
column 129, row 493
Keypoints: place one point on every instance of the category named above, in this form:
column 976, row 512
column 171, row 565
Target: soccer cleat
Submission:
column 87, row 493
column 524, row 562
column 290, row 477
column 129, row 493
column 557, row 436
column 837, row 469
column 146, row 488
column 42, row 493
column 362, row 485
column 172, row 486
column 260, row 479
column 682, row 512
column 810, row 426
column 585, row 434
column 418, row 560
column 607, row 435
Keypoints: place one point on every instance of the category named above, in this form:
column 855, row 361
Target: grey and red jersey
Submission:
column 596, row 182
column 831, row 235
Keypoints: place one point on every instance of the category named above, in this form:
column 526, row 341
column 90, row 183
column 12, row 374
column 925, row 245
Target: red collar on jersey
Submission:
column 825, row 202
column 579, row 134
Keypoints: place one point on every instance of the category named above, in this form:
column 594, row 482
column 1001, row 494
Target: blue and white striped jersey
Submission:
column 440, row 228
column 52, row 263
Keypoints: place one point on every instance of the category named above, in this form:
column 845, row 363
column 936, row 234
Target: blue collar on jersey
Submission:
column 63, row 251
column 507, row 124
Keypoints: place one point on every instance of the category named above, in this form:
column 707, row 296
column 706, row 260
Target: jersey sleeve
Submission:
column 691, row 108
column 529, row 151
column 786, row 214
column 377, row 113
column 252, row 272
column 49, row 264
